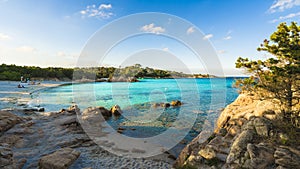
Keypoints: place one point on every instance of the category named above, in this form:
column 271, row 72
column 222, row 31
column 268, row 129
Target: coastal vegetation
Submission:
column 277, row 77
column 14, row 72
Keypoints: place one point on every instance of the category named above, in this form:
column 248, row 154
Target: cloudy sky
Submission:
column 54, row 32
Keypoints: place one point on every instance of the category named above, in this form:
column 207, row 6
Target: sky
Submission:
column 56, row 32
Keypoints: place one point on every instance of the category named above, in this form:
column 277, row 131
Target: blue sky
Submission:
column 54, row 32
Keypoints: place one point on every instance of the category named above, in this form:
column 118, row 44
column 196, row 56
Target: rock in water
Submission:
column 165, row 105
column 116, row 110
column 176, row 103
column 61, row 159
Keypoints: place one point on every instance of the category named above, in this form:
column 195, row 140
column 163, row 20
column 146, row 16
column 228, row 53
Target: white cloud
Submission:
column 190, row 30
column 105, row 6
column 152, row 29
column 228, row 37
column 289, row 16
column 4, row 37
column 102, row 12
column 27, row 49
column 208, row 36
column 282, row 5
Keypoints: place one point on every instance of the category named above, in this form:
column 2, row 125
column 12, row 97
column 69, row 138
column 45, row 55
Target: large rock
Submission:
column 61, row 159
column 246, row 106
column 7, row 121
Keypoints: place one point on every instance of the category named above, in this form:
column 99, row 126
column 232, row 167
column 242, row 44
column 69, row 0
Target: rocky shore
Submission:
column 250, row 133
column 57, row 140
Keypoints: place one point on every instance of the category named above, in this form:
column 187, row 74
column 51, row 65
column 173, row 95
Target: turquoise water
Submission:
column 203, row 100
column 205, row 94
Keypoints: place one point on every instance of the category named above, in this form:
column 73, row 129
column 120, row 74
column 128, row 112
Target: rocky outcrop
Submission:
column 246, row 106
column 60, row 159
column 243, row 138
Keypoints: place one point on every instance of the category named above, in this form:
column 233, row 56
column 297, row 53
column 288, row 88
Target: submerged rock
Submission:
column 60, row 159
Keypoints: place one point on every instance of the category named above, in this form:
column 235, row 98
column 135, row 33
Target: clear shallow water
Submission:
column 204, row 97
column 206, row 94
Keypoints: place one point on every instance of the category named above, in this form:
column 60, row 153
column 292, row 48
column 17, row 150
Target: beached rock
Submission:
column 176, row 103
column 60, row 159
column 7, row 121
column 116, row 110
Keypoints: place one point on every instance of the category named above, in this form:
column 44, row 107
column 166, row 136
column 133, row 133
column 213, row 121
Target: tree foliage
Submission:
column 13, row 72
column 278, row 76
